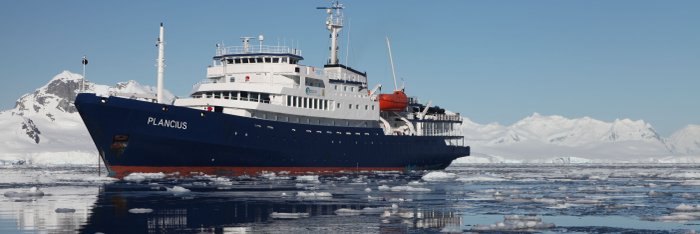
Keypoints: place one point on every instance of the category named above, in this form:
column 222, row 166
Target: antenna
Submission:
column 246, row 43
column 161, row 63
column 334, row 23
column 391, row 60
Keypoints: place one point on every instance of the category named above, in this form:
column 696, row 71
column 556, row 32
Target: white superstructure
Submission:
column 269, row 82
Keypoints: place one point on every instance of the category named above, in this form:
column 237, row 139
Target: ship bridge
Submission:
column 250, row 54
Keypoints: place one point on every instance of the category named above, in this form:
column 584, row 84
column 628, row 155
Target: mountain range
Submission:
column 44, row 128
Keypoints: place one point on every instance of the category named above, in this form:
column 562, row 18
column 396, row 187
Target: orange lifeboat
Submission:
column 397, row 101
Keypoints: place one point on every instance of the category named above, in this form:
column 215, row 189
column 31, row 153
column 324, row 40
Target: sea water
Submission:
column 539, row 198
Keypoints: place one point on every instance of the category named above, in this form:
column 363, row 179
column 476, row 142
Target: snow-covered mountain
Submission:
column 556, row 139
column 44, row 127
column 686, row 141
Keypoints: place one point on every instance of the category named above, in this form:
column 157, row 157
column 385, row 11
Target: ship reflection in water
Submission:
column 282, row 206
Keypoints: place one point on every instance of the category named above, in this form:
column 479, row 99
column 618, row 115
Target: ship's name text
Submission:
column 167, row 123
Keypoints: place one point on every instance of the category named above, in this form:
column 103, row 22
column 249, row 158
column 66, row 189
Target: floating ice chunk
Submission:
column 399, row 199
column 308, row 179
column 347, row 212
column 368, row 190
column 653, row 193
column 371, row 198
column 374, row 210
column 522, row 218
column 586, row 201
column 687, row 174
column 561, row 206
column 451, row 228
column 64, row 210
column 416, row 183
column 409, row 189
column 549, row 201
column 138, row 176
column 684, row 207
column 177, row 189
column 676, row 217
column 439, row 176
column 315, row 195
column 221, row 181
column 140, row 210
column 691, row 183
column 280, row 215
column 383, row 188
column 515, row 223
column 32, row 192
column 482, row 178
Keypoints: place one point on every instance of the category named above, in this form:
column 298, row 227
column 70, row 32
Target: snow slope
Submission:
column 44, row 127
column 556, row 139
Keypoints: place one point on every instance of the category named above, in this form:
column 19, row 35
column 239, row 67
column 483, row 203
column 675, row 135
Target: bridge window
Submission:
column 237, row 61
column 259, row 60
column 284, row 59
column 268, row 60
column 275, row 60
column 244, row 60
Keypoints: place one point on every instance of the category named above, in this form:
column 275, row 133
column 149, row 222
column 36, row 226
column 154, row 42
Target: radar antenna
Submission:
column 334, row 23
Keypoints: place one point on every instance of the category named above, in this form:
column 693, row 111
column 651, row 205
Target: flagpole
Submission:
column 85, row 62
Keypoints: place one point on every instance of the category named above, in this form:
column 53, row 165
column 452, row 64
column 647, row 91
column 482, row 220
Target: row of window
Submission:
column 262, row 60
column 310, row 103
column 235, row 95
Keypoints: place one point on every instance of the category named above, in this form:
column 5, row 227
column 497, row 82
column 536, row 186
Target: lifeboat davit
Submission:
column 397, row 101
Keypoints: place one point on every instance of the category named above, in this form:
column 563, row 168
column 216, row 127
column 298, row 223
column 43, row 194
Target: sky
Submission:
column 491, row 61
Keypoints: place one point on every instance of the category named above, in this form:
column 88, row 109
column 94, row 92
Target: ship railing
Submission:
column 444, row 117
column 196, row 86
column 257, row 49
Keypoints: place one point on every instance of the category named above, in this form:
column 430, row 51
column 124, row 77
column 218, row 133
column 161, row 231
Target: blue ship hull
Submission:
column 138, row 136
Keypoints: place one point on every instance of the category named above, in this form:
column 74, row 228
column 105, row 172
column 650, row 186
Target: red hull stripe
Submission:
column 122, row 171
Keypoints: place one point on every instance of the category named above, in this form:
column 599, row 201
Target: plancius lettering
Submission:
column 168, row 123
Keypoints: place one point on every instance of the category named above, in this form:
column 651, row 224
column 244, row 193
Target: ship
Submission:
column 259, row 108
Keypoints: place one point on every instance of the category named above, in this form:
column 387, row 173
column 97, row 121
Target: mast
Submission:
column 161, row 63
column 334, row 23
column 391, row 60
column 84, row 62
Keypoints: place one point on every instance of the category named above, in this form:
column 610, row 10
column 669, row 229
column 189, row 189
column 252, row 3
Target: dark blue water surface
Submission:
column 487, row 198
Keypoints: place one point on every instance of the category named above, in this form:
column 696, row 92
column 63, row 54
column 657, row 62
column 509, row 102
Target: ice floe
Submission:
column 308, row 179
column 439, row 176
column 280, row 215
column 409, row 189
column 480, row 178
column 33, row 192
column 177, row 189
column 515, row 223
column 138, row 176
column 314, row 195
column 684, row 207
